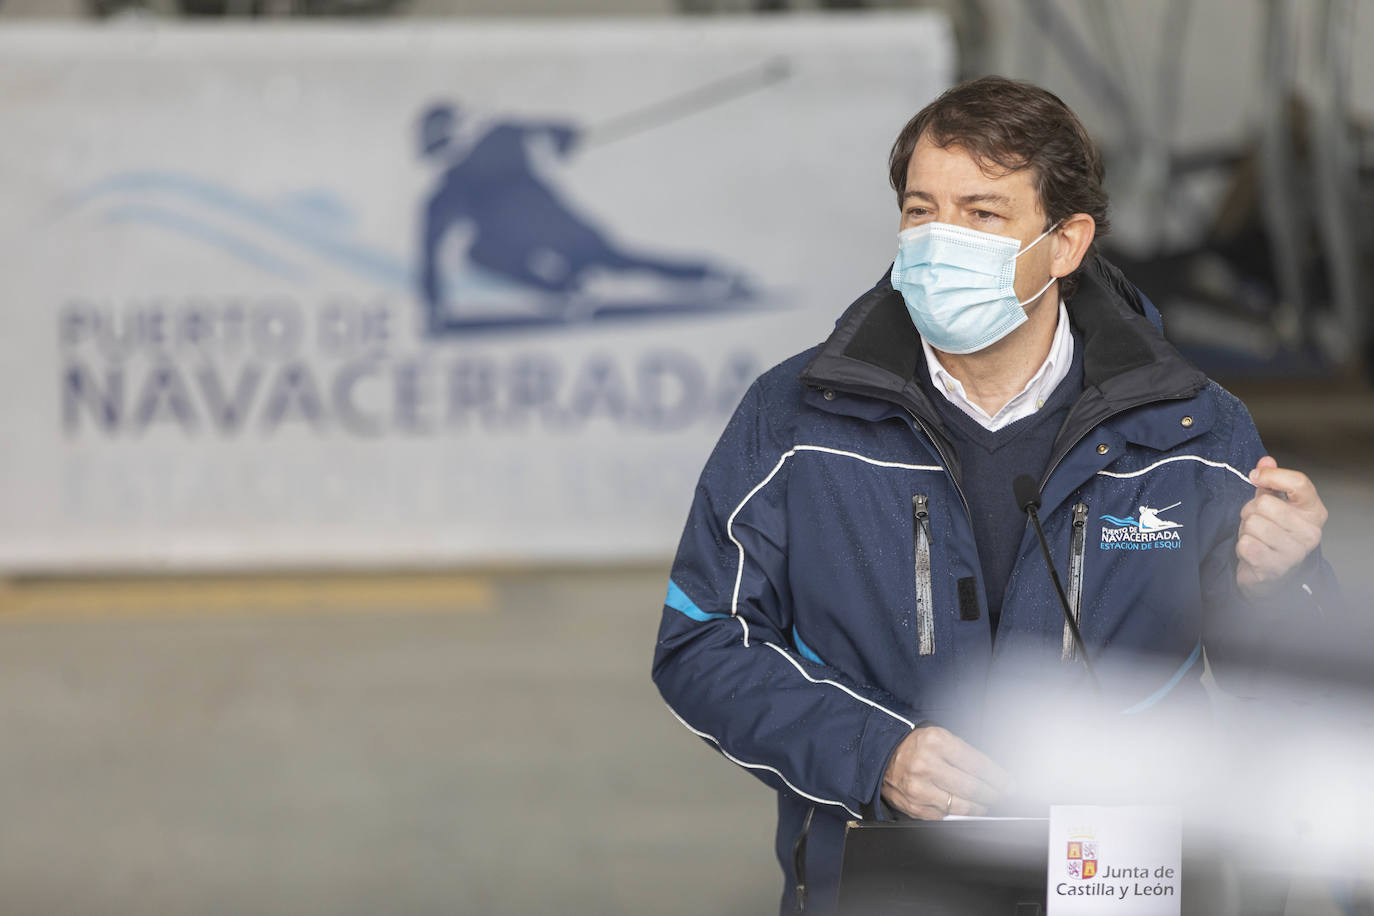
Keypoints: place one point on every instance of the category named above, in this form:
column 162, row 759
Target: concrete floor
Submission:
column 476, row 744
column 507, row 756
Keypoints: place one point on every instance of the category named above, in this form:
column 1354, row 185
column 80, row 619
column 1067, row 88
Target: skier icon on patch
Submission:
column 1150, row 520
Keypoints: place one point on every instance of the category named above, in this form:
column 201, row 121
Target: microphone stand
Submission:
column 1028, row 498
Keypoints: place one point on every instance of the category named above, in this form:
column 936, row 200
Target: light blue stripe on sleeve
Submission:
column 677, row 600
column 804, row 649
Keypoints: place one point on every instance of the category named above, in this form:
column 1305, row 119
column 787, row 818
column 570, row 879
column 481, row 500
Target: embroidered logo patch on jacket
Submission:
column 1145, row 530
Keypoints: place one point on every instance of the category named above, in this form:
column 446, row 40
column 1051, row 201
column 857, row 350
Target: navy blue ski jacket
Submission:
column 826, row 597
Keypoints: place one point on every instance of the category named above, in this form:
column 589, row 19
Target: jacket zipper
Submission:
column 1077, row 543
column 925, row 612
column 935, row 443
column 799, row 859
column 1079, row 530
column 1053, row 466
column 920, row 512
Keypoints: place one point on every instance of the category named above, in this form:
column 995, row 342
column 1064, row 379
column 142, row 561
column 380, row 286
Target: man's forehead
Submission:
column 933, row 170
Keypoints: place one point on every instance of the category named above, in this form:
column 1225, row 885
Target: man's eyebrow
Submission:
column 999, row 199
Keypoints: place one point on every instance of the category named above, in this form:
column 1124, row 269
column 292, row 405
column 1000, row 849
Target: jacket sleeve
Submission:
column 1256, row 646
column 726, row 662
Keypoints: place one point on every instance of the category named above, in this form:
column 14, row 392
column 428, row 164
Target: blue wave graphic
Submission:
column 278, row 237
column 191, row 227
column 1126, row 522
column 310, row 232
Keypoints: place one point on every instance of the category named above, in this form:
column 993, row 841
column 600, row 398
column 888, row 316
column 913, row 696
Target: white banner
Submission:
column 427, row 294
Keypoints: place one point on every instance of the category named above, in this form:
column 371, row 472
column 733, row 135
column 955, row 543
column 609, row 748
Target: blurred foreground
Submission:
column 420, row 744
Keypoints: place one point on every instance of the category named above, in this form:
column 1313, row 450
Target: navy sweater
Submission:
column 990, row 461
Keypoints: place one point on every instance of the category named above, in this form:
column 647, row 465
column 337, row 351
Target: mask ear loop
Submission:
column 1039, row 237
column 1039, row 294
column 1028, row 248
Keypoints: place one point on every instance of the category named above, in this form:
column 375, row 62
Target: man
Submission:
column 857, row 587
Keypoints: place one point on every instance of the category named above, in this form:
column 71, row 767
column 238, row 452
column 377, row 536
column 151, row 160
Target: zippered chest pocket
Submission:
column 1077, row 543
column 925, row 609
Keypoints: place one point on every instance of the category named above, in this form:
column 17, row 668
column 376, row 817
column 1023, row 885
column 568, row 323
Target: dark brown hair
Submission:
column 1007, row 126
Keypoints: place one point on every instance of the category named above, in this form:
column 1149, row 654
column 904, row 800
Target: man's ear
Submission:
column 1071, row 242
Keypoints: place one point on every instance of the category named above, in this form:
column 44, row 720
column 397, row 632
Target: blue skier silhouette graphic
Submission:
column 522, row 232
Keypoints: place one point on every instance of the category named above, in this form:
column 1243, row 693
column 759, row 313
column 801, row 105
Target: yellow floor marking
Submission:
column 250, row 595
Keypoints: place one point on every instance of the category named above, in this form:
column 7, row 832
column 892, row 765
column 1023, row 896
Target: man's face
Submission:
column 947, row 186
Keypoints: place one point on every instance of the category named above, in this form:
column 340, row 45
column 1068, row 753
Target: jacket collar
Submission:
column 1126, row 360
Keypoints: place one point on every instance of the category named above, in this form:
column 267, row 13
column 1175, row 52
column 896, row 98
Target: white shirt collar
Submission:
column 1037, row 391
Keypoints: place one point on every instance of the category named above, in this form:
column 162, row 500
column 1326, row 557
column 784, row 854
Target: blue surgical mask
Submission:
column 959, row 284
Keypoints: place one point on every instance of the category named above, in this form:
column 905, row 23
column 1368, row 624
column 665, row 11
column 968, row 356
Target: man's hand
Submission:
column 1279, row 527
column 932, row 773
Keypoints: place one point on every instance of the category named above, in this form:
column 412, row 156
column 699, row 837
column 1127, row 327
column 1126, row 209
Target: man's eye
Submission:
column 984, row 215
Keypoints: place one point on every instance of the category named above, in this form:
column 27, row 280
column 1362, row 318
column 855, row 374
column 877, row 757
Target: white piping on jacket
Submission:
column 1144, row 470
column 739, row 573
column 730, row 523
column 793, row 662
column 758, row 766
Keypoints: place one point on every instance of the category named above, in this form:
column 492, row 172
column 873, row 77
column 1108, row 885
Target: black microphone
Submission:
column 1028, row 499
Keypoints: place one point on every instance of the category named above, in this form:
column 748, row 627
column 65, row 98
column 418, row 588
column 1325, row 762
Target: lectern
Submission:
column 945, row 868
column 991, row 867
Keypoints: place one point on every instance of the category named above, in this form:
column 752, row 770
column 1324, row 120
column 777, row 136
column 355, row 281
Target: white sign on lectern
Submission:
column 1119, row 860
